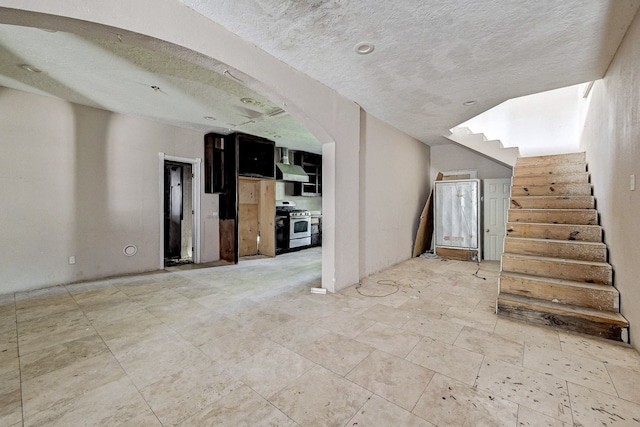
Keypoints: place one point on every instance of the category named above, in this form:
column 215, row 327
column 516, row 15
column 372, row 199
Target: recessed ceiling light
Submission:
column 469, row 103
column 248, row 101
column 155, row 88
column 30, row 68
column 364, row 48
column 209, row 118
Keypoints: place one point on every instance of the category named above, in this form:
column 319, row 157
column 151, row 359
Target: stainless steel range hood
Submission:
column 291, row 173
column 288, row 172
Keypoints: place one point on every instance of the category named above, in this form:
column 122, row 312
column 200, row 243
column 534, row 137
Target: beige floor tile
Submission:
column 345, row 324
column 137, row 287
column 10, row 398
column 389, row 339
column 576, row 369
column 44, row 306
column 452, row 300
column 441, row 330
column 270, row 370
column 184, row 393
column 217, row 301
column 391, row 377
column 58, row 387
column 106, row 312
column 626, row 382
column 175, row 311
column 261, row 320
column 42, row 332
column 542, row 393
column 235, row 347
column 296, row 334
column 59, row 356
column 149, row 360
column 530, row 418
column 447, row 402
column 424, row 307
column 532, row 335
column 593, row 408
column 599, row 349
column 321, row 398
column 454, row 362
column 129, row 327
column 380, row 412
column 389, row 316
column 113, row 403
column 97, row 298
column 241, row 407
column 336, row 352
column 8, row 350
column 204, row 327
column 488, row 344
column 470, row 317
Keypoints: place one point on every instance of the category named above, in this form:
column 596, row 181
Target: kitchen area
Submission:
column 270, row 198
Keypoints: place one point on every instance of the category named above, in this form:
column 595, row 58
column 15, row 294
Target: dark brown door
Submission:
column 173, row 210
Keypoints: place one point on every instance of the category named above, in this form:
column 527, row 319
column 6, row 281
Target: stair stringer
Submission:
column 477, row 142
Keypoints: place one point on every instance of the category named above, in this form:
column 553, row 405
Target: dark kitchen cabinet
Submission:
column 227, row 157
column 312, row 165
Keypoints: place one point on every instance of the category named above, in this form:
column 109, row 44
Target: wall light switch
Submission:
column 632, row 182
column 72, row 259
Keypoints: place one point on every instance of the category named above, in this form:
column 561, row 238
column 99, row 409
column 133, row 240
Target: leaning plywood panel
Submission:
column 457, row 215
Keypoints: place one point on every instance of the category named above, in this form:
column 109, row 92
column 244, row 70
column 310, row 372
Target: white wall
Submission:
column 394, row 180
column 611, row 139
column 539, row 124
column 83, row 182
column 454, row 157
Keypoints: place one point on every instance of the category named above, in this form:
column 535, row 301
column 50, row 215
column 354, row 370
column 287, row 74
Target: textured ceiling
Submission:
column 429, row 58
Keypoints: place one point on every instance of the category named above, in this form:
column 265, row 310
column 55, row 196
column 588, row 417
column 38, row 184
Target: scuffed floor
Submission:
column 415, row 345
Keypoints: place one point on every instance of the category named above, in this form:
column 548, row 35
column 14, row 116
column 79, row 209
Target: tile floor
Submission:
column 415, row 345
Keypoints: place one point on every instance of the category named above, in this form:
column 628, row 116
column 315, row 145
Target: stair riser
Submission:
column 562, row 202
column 600, row 274
column 573, row 178
column 551, row 216
column 550, row 170
column 584, row 233
column 555, row 159
column 606, row 299
column 596, row 252
column 562, row 321
column 552, row 190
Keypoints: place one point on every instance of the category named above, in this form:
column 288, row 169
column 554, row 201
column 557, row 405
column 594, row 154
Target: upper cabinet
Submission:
column 312, row 165
column 229, row 156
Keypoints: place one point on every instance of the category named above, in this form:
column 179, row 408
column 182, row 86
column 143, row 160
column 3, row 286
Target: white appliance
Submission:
column 457, row 215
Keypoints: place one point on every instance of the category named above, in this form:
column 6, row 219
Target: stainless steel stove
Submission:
column 293, row 226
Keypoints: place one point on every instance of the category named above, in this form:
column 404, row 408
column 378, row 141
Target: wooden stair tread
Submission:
column 559, row 241
column 561, row 282
column 548, row 159
column 572, row 310
column 551, row 189
column 569, row 232
column 564, row 178
column 563, row 260
column 554, row 216
column 552, row 202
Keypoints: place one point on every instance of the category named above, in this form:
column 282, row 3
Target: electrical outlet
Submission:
column 72, row 260
column 632, row 182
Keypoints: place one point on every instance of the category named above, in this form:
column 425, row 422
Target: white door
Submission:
column 496, row 205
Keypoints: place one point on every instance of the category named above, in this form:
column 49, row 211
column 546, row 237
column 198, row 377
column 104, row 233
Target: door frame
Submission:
column 195, row 188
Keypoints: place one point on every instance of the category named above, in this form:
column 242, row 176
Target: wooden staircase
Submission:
column 554, row 268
